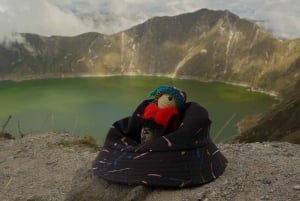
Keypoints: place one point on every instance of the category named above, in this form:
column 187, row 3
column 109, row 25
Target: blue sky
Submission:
column 72, row 17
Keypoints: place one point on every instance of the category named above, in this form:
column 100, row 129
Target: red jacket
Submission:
column 162, row 116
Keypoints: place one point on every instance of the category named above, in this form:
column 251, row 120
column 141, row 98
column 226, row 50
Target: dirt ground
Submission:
column 40, row 167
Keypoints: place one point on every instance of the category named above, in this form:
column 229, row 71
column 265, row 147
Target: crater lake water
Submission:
column 89, row 106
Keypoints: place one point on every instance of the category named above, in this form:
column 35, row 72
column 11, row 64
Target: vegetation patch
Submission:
column 280, row 123
column 87, row 140
column 4, row 135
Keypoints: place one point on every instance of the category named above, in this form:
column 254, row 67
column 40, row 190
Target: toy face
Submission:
column 166, row 100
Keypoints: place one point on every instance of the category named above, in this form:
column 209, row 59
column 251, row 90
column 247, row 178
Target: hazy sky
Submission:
column 72, row 17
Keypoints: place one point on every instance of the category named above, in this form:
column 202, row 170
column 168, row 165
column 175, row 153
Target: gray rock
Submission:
column 296, row 187
column 87, row 187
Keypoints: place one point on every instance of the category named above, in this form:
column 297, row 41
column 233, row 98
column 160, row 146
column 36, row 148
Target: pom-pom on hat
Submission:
column 180, row 96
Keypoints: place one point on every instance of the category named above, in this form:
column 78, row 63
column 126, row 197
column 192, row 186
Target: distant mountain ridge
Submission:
column 206, row 45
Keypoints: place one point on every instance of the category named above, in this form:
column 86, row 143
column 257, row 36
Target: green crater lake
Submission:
column 89, row 106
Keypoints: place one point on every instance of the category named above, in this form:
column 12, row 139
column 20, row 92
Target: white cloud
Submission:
column 282, row 17
column 72, row 17
column 39, row 17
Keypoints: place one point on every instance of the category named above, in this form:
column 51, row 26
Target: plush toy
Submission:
column 161, row 116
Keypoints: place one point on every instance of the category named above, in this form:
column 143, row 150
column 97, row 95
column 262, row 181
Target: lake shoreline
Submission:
column 249, row 88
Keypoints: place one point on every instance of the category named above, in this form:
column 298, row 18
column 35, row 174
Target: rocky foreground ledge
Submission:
column 50, row 167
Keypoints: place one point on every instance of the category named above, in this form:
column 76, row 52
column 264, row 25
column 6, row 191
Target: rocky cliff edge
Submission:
column 52, row 167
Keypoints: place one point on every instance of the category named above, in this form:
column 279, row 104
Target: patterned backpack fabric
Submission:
column 185, row 157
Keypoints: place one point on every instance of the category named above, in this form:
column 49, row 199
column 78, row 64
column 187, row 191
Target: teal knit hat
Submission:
column 180, row 96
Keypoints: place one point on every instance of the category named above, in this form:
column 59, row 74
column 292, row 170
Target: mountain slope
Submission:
column 279, row 123
column 207, row 45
